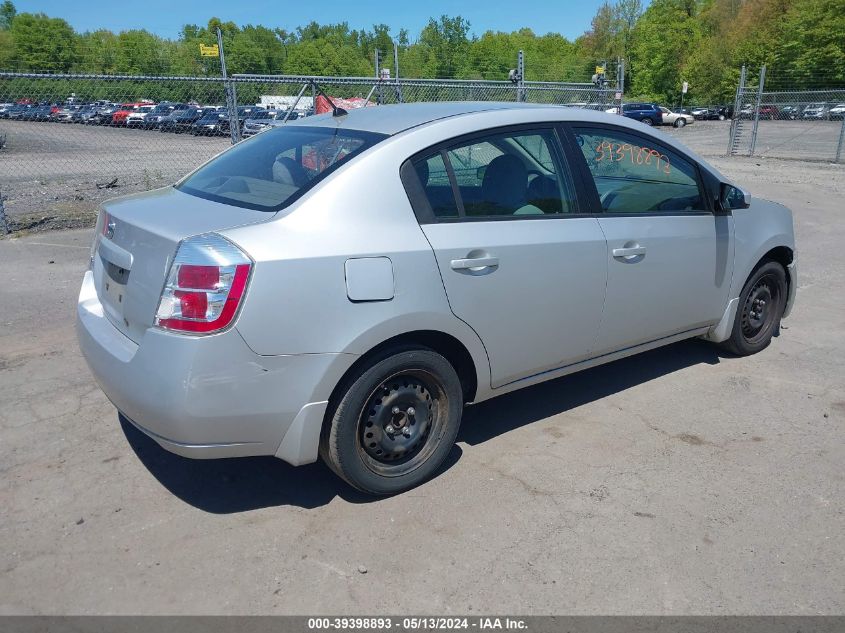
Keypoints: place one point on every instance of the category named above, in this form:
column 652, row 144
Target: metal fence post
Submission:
column 4, row 224
column 520, row 83
column 838, row 149
column 740, row 90
column 621, row 82
column 757, row 110
column 396, row 69
column 231, row 97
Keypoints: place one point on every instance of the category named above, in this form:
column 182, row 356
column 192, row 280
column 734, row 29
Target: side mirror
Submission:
column 731, row 197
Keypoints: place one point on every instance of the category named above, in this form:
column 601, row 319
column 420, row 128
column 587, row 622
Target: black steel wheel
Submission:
column 394, row 421
column 760, row 309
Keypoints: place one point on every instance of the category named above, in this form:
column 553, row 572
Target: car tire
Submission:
column 680, row 122
column 393, row 422
column 648, row 122
column 760, row 309
column 721, row 117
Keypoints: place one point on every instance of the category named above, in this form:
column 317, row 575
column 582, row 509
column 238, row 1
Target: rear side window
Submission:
column 502, row 175
column 633, row 175
column 272, row 169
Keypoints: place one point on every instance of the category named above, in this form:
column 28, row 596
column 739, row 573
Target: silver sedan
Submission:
column 345, row 285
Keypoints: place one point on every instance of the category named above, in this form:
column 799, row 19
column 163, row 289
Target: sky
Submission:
column 166, row 17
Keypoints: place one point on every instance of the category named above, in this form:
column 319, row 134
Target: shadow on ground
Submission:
column 225, row 486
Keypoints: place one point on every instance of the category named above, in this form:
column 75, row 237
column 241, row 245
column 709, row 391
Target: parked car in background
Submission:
column 38, row 113
column 712, row 113
column 138, row 116
column 182, row 120
column 102, row 115
column 676, row 119
column 816, row 111
column 122, row 113
column 160, row 112
column 838, row 111
column 83, row 113
column 212, row 123
column 4, row 109
column 65, row 114
column 648, row 113
column 789, row 113
column 263, row 121
column 323, row 290
column 767, row 111
column 18, row 111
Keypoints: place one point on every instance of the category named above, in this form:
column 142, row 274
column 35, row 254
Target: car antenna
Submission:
column 336, row 111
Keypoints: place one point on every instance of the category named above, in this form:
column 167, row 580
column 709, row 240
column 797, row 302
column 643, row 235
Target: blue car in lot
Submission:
column 648, row 113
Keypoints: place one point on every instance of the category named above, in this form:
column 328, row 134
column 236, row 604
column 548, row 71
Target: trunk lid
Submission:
column 133, row 253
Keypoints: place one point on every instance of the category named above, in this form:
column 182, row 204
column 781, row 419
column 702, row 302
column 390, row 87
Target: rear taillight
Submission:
column 204, row 287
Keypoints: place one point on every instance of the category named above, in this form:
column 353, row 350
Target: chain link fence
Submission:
column 71, row 141
column 807, row 125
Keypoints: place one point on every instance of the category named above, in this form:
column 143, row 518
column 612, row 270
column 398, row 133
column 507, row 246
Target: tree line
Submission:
column 703, row 42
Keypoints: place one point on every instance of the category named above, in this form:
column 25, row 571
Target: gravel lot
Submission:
column 681, row 481
column 52, row 170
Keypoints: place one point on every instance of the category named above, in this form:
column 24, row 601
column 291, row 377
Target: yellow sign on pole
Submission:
column 209, row 51
column 599, row 70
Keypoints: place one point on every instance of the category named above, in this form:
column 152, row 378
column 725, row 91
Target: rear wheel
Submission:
column 761, row 305
column 395, row 421
column 648, row 122
column 721, row 117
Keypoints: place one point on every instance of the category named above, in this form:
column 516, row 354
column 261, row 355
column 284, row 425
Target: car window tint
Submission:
column 275, row 167
column 634, row 176
column 508, row 174
column 438, row 189
column 469, row 161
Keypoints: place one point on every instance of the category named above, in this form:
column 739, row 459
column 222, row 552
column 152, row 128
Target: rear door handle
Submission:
column 475, row 262
column 630, row 251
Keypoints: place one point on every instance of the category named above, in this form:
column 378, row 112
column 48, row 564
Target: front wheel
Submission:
column 395, row 422
column 721, row 117
column 761, row 306
column 680, row 123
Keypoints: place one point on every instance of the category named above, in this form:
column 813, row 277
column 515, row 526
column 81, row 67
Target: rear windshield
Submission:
column 274, row 168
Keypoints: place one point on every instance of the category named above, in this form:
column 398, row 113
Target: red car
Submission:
column 769, row 112
column 119, row 117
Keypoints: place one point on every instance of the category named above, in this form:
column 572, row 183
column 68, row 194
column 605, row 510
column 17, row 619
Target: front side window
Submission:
column 633, row 175
column 509, row 174
column 272, row 169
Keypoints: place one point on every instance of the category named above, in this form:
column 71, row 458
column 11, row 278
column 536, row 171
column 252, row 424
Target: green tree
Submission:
column 41, row 43
column 662, row 38
column 812, row 49
column 7, row 14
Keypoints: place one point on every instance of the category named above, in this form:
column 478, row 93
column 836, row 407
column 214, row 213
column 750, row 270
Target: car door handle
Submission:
column 630, row 251
column 475, row 262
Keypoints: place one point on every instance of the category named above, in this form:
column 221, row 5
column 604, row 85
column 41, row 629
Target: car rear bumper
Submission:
column 211, row 396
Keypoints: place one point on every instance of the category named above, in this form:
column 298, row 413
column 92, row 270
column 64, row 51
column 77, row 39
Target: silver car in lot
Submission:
column 343, row 286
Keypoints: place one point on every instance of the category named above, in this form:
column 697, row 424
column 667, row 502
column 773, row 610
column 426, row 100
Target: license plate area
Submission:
column 115, row 281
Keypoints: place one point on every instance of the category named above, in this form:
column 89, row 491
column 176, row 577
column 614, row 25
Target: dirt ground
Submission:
column 681, row 481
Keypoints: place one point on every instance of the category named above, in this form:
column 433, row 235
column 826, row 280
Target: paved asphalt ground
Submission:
column 681, row 481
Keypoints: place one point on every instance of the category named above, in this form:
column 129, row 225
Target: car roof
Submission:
column 395, row 118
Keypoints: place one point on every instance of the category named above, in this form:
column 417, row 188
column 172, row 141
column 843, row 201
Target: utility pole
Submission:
column 231, row 97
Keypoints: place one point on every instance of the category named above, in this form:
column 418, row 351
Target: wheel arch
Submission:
column 447, row 345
